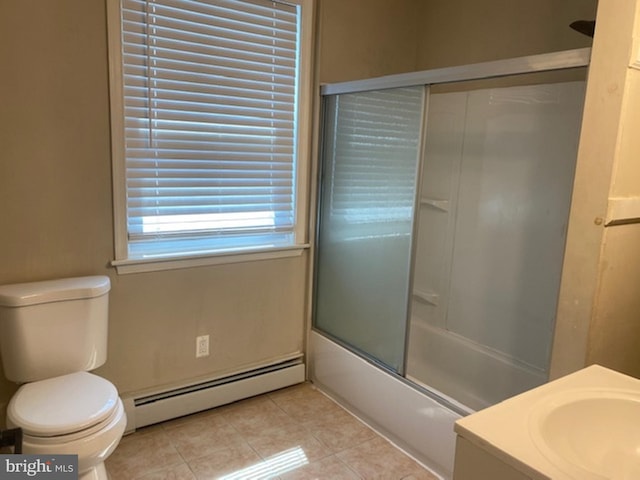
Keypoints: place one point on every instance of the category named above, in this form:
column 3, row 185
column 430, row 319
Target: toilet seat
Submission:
column 117, row 415
column 91, row 448
column 71, row 406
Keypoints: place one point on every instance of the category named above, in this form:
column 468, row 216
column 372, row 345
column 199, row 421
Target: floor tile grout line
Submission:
column 349, row 467
column 374, row 433
column 285, row 404
column 295, row 422
column 377, row 432
column 330, row 451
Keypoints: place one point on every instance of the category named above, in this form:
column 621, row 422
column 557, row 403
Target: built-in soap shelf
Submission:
column 426, row 296
column 442, row 205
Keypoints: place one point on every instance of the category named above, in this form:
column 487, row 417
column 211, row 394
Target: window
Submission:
column 210, row 109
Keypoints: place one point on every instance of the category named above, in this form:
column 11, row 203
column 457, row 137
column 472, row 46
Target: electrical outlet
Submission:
column 202, row 346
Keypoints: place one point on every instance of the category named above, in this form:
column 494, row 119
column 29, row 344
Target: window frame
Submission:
column 122, row 262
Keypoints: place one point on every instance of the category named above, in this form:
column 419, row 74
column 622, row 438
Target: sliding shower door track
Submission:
column 545, row 62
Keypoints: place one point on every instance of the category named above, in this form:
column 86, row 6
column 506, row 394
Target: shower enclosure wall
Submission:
column 443, row 209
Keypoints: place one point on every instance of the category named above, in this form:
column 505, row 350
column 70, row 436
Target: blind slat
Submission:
column 375, row 148
column 210, row 98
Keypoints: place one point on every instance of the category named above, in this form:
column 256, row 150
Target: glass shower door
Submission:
column 495, row 197
column 371, row 151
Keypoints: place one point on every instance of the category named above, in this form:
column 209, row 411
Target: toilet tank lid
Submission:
column 33, row 293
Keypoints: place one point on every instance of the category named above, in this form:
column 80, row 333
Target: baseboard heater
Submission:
column 173, row 403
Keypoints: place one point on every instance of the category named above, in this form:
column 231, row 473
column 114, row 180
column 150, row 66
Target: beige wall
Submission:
column 56, row 214
column 457, row 32
column 55, row 183
column 54, row 142
column 366, row 38
column 370, row 38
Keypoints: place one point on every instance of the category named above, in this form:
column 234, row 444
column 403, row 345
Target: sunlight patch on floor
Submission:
column 276, row 465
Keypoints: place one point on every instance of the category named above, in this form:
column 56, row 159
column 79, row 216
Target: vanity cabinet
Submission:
column 474, row 463
column 555, row 432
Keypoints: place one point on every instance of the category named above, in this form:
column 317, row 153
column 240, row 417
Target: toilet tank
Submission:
column 53, row 327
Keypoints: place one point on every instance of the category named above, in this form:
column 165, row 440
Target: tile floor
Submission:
column 294, row 433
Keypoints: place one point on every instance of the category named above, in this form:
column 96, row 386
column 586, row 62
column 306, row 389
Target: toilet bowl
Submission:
column 78, row 414
column 52, row 334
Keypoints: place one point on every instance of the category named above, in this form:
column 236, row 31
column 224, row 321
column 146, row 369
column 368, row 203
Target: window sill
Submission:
column 124, row 267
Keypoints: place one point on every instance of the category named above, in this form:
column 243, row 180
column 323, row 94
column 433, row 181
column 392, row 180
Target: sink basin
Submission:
column 589, row 434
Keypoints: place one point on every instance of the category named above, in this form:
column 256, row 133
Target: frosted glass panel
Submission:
column 370, row 160
column 496, row 191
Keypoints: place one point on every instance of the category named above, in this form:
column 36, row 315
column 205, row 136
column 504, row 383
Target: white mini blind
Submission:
column 210, row 95
column 374, row 148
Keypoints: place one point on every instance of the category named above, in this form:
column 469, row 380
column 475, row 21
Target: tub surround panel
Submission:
column 496, row 187
column 442, row 361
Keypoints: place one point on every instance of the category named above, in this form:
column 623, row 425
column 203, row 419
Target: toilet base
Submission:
column 92, row 450
column 99, row 472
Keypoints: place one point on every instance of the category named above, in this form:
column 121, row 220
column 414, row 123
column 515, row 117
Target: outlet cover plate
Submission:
column 202, row 346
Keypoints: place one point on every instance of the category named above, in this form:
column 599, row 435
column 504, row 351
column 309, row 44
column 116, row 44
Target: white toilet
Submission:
column 51, row 334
